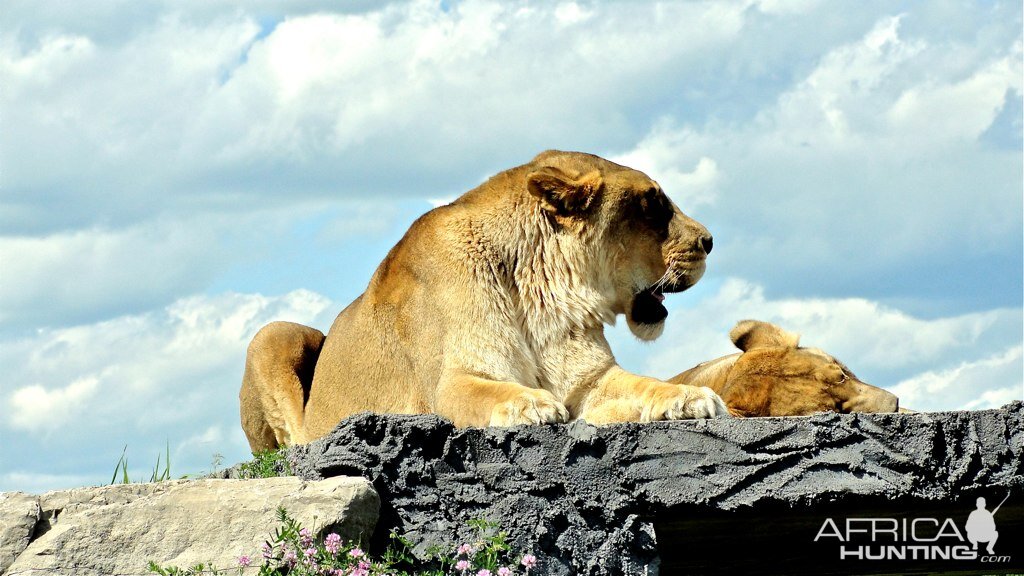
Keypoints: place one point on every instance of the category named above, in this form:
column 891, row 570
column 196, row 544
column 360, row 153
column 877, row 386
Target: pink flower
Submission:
column 309, row 552
column 332, row 542
column 305, row 538
column 462, row 565
column 244, row 560
column 355, row 553
column 290, row 557
column 503, row 571
column 465, row 549
column 529, row 560
column 484, row 572
column 268, row 551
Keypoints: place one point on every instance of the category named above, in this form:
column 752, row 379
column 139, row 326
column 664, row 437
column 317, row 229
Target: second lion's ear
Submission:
column 561, row 194
column 748, row 334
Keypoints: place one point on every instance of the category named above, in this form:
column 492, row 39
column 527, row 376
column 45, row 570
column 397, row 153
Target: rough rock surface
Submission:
column 584, row 498
column 119, row 529
column 19, row 514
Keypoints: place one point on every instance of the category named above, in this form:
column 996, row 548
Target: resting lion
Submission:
column 773, row 376
column 490, row 311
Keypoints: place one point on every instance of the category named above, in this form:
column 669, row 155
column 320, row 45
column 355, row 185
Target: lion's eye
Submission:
column 655, row 208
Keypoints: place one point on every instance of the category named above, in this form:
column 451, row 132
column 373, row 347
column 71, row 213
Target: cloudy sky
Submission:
column 174, row 175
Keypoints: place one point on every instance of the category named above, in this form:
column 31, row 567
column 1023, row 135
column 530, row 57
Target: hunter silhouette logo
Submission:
column 920, row 538
column 981, row 525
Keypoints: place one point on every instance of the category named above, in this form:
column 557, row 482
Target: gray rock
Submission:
column 119, row 529
column 586, row 499
column 19, row 514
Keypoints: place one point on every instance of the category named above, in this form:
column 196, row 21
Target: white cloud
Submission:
column 36, row 408
column 67, row 277
column 323, row 102
column 832, row 105
column 110, row 122
column 169, row 375
column 957, row 109
column 786, row 6
column 662, row 156
column 802, row 143
column 127, row 360
column 463, row 76
column 989, row 382
column 568, row 13
column 881, row 344
column 436, row 202
column 37, row 483
column 77, row 277
column 55, row 57
column 865, row 171
column 907, row 95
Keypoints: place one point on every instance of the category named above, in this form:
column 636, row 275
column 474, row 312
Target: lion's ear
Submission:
column 750, row 334
column 562, row 194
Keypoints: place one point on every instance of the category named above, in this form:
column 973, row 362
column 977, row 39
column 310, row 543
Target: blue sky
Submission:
column 174, row 175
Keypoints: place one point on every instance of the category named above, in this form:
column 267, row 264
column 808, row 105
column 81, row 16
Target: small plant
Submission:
column 215, row 461
column 267, row 464
column 293, row 551
column 483, row 556
column 158, row 476
column 121, row 468
column 193, row 571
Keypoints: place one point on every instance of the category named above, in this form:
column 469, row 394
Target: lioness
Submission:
column 773, row 376
column 490, row 311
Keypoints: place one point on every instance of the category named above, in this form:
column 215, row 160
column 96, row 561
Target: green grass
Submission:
column 121, row 468
column 267, row 464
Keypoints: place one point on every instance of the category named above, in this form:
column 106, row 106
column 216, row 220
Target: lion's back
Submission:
column 376, row 354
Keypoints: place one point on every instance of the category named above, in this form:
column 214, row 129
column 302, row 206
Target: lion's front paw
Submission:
column 530, row 407
column 677, row 402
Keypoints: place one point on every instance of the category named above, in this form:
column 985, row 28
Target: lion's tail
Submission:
column 275, row 387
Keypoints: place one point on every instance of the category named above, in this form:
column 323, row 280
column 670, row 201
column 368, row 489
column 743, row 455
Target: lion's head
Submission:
column 641, row 245
column 776, row 377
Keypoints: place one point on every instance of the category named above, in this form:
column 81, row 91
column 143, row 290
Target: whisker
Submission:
column 668, row 276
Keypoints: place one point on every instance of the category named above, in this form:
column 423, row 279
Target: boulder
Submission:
column 118, row 529
column 682, row 495
column 19, row 514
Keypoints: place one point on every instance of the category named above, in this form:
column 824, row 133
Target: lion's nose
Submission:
column 707, row 243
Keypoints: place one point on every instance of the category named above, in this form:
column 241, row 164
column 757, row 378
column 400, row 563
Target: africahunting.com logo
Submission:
column 916, row 538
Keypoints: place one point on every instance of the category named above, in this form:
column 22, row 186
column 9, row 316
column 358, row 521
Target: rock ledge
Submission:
column 620, row 499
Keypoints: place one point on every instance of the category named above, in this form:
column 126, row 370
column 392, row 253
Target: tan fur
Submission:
column 775, row 377
column 278, row 370
column 490, row 310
